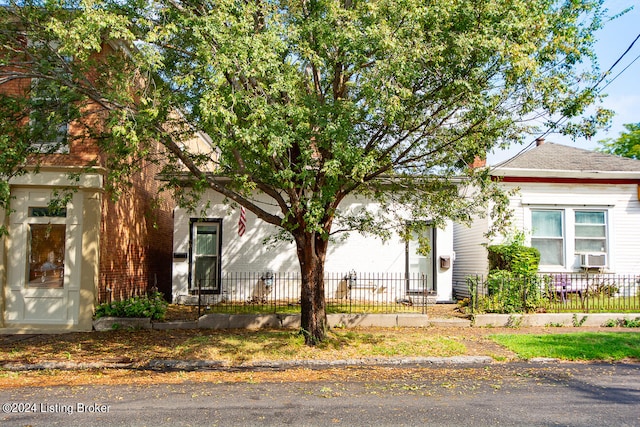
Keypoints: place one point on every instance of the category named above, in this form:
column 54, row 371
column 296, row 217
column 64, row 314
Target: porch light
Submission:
column 267, row 279
column 352, row 277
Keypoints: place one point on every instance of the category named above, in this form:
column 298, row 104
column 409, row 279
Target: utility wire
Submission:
column 602, row 77
column 618, row 75
column 616, row 63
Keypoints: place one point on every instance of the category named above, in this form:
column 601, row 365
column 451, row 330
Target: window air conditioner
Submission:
column 593, row 260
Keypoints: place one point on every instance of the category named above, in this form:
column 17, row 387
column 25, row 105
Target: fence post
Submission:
column 586, row 295
column 349, row 288
column 525, row 286
column 471, row 297
column 420, row 277
column 273, row 293
column 473, row 294
column 199, row 297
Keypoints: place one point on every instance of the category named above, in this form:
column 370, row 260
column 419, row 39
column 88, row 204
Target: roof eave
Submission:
column 583, row 174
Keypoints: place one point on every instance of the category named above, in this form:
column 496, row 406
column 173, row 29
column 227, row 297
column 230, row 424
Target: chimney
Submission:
column 478, row 162
column 539, row 141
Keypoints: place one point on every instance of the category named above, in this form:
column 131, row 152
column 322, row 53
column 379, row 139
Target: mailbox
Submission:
column 445, row 261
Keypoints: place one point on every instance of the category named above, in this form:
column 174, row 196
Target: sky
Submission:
column 623, row 93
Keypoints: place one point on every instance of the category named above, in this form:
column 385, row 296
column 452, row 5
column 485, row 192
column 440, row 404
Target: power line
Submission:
column 618, row 75
column 616, row 63
column 602, row 77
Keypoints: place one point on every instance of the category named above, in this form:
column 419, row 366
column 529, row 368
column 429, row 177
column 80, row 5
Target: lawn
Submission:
column 608, row 346
column 230, row 347
column 239, row 347
column 598, row 303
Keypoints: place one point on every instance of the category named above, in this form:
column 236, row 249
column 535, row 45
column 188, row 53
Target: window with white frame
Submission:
column 591, row 231
column 548, row 235
column 48, row 118
column 562, row 235
column 50, row 102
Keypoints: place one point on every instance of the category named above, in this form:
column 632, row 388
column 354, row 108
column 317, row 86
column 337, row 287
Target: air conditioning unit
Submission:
column 593, row 260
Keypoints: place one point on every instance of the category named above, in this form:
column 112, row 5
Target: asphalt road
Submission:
column 511, row 394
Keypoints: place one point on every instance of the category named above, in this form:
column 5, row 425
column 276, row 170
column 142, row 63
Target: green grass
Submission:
column 573, row 346
column 285, row 345
column 237, row 346
column 597, row 303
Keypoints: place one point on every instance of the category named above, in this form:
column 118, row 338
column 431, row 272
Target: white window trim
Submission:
column 606, row 230
column 564, row 234
column 62, row 137
column 571, row 257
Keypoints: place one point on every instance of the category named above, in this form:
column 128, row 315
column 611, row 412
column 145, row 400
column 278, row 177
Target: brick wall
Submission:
column 136, row 231
column 136, row 239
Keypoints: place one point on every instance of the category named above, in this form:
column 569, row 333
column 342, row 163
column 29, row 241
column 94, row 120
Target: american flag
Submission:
column 242, row 222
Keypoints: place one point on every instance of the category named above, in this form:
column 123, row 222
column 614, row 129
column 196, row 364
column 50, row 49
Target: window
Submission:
column 49, row 118
column 562, row 235
column 591, row 231
column 46, row 255
column 47, row 212
column 548, row 236
column 205, row 257
column 419, row 263
column 50, row 100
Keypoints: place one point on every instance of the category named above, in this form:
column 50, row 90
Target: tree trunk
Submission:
column 311, row 254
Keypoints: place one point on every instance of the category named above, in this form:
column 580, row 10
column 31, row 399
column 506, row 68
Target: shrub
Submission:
column 152, row 306
column 508, row 293
column 512, row 285
column 514, row 257
column 577, row 323
column 625, row 323
column 606, row 289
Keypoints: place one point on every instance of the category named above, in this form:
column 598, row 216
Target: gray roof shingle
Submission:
column 550, row 156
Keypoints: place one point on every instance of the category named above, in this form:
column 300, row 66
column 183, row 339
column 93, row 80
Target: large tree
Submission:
column 626, row 145
column 308, row 101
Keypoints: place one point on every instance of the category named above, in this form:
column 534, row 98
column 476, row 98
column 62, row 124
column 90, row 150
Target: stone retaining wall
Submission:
column 292, row 321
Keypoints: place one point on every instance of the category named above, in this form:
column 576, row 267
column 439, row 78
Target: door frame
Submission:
column 432, row 268
column 193, row 223
column 34, row 305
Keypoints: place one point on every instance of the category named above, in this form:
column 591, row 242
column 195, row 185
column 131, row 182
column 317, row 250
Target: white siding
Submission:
column 470, row 254
column 247, row 253
column 626, row 233
column 621, row 203
column 238, row 253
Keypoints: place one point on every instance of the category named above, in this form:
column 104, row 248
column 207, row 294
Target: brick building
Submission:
column 56, row 264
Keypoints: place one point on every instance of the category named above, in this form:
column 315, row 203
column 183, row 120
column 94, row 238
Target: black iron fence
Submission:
column 555, row 293
column 352, row 292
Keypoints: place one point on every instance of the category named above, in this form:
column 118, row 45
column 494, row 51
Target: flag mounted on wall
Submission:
column 242, row 222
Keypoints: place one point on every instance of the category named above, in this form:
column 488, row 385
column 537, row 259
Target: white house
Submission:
column 580, row 208
column 211, row 258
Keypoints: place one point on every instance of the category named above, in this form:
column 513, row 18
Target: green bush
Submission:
column 152, row 306
column 606, row 289
column 516, row 258
column 512, row 285
column 508, row 293
column 624, row 323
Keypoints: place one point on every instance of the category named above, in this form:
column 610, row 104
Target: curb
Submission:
column 215, row 365
column 180, row 365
